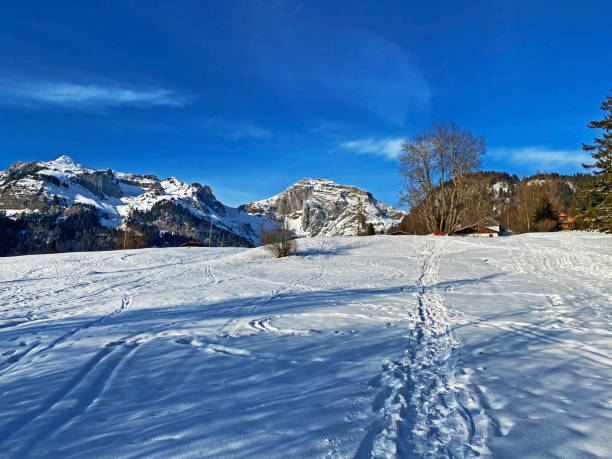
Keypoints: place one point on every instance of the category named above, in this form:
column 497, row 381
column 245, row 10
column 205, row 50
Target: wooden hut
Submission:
column 487, row 227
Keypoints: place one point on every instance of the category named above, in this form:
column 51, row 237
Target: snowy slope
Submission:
column 319, row 207
column 369, row 347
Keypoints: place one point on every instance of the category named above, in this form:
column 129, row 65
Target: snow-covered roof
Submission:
column 486, row 222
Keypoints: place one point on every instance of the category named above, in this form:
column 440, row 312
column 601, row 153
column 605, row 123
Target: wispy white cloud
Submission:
column 541, row 157
column 297, row 9
column 389, row 148
column 361, row 70
column 87, row 96
column 249, row 130
column 237, row 129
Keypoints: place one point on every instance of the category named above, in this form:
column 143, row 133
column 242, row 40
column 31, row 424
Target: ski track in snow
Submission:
column 359, row 347
column 421, row 402
column 86, row 386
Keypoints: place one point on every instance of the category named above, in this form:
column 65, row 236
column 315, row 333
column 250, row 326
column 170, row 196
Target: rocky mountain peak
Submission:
column 321, row 207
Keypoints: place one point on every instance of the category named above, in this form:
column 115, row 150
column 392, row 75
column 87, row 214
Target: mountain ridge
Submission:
column 48, row 196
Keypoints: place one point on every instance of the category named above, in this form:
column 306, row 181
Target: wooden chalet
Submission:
column 566, row 222
column 487, row 227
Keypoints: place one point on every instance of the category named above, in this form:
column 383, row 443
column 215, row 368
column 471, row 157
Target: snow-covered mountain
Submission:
column 63, row 205
column 318, row 207
column 64, row 186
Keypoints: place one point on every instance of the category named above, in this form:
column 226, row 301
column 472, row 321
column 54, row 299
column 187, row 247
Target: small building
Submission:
column 487, row 227
column 566, row 222
column 399, row 233
column 192, row 244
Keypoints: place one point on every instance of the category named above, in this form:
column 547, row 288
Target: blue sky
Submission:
column 251, row 96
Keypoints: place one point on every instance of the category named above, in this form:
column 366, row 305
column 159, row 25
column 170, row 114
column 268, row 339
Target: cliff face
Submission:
column 318, row 207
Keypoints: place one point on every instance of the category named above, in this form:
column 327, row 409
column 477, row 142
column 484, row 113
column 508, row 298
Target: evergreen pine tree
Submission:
column 370, row 231
column 599, row 193
column 544, row 211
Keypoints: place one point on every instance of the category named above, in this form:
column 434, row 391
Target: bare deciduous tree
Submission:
column 361, row 218
column 131, row 237
column 478, row 201
column 436, row 165
column 528, row 194
column 526, row 201
column 280, row 241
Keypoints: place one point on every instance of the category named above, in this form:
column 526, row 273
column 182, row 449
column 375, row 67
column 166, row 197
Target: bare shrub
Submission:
column 280, row 241
column 546, row 225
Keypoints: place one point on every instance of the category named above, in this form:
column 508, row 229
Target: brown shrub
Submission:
column 547, row 225
column 280, row 242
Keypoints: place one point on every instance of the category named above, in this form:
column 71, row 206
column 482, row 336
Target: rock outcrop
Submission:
column 319, row 207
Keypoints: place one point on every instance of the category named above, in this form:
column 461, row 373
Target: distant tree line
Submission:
column 517, row 206
column 445, row 189
column 79, row 228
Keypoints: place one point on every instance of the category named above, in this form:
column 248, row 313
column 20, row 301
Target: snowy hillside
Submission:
column 359, row 347
column 319, row 207
column 64, row 182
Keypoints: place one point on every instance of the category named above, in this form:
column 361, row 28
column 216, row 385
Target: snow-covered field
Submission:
column 366, row 347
